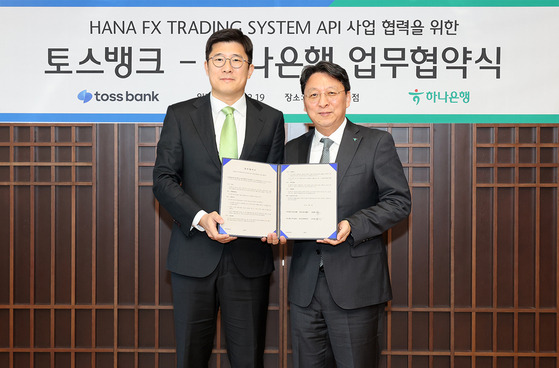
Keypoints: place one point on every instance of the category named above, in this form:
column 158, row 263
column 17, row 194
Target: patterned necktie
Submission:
column 228, row 138
column 325, row 157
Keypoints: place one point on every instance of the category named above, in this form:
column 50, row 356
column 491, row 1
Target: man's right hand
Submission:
column 209, row 222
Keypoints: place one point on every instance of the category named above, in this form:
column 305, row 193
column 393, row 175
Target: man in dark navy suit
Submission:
column 338, row 288
column 211, row 270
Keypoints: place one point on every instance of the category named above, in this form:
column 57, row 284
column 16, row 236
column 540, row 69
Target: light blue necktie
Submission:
column 325, row 157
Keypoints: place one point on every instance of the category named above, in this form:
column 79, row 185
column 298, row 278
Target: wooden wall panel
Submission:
column 510, row 176
column 83, row 245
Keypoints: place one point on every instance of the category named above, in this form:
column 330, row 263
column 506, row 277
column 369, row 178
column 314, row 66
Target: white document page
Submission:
column 308, row 201
column 248, row 198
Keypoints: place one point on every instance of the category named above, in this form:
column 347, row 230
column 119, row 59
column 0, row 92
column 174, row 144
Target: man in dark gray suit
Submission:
column 338, row 288
column 211, row 270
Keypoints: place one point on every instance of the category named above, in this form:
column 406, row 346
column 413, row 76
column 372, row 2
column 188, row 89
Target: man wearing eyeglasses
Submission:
column 211, row 270
column 338, row 288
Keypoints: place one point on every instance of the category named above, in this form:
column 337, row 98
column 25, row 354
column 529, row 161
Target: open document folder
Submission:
column 298, row 201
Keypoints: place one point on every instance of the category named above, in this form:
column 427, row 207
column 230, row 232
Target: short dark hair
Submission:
column 333, row 70
column 230, row 35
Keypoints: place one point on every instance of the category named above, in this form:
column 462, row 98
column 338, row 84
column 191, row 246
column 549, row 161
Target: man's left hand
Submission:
column 273, row 239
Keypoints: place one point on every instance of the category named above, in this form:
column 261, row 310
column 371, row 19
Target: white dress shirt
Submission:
column 240, row 115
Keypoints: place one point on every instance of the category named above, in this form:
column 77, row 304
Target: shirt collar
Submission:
column 336, row 136
column 240, row 105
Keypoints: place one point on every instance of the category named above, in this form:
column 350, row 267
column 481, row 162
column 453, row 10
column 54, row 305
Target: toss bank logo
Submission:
column 127, row 96
column 84, row 96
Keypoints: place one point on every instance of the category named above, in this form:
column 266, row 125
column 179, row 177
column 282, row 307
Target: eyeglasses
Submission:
column 235, row 61
column 330, row 96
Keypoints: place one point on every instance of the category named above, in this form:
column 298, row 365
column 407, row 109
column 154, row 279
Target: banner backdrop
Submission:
column 127, row 64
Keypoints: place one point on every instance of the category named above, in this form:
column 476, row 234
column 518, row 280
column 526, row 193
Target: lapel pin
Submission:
column 355, row 139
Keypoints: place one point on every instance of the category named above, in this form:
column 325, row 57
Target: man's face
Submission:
column 228, row 84
column 326, row 112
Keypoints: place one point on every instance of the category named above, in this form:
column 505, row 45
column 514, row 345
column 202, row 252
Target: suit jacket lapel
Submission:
column 350, row 142
column 254, row 125
column 203, row 122
column 305, row 148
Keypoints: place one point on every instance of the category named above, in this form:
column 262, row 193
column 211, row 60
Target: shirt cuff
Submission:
column 197, row 219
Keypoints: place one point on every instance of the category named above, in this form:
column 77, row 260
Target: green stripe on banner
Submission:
column 445, row 3
column 437, row 119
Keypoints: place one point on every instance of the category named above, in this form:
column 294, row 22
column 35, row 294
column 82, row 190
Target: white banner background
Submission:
column 526, row 36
